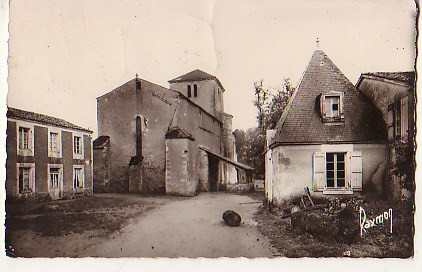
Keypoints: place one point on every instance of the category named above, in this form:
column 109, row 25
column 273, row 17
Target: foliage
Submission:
column 271, row 106
column 250, row 144
column 249, row 147
column 403, row 165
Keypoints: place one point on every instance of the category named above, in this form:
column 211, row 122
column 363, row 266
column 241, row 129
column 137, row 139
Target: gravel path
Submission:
column 191, row 227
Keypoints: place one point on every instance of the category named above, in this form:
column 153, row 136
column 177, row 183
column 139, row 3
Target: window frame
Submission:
column 60, row 177
column 324, row 113
column 189, row 89
column 31, row 167
column 82, row 176
column 195, row 90
column 80, row 155
column 57, row 153
column 25, row 125
column 352, row 165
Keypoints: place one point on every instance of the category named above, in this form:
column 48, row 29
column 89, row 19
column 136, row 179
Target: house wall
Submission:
column 41, row 160
column 382, row 93
column 292, row 168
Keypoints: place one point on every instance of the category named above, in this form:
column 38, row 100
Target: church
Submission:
column 177, row 141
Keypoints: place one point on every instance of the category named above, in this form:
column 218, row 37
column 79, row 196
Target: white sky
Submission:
column 64, row 54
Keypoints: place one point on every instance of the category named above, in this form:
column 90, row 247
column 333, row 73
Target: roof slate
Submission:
column 194, row 75
column 41, row 118
column 402, row 77
column 302, row 122
column 101, row 141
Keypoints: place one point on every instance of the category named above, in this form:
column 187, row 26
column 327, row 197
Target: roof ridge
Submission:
column 42, row 118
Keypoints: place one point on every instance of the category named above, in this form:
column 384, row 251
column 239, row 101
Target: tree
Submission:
column 271, row 106
column 250, row 144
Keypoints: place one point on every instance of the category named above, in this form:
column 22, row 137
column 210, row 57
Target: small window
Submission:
column 77, row 145
column 24, row 138
column 195, row 90
column 189, row 91
column 331, row 107
column 54, row 142
column 54, row 178
column 78, row 177
column 25, row 180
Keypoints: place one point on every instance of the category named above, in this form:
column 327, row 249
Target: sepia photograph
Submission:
column 272, row 129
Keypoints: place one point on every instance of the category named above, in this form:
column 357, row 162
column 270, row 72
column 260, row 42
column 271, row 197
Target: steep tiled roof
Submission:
column 177, row 132
column 43, row 119
column 302, row 122
column 101, row 141
column 194, row 75
column 403, row 77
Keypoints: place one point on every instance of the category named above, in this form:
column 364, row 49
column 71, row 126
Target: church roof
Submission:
column 193, row 75
column 196, row 75
column 43, row 119
column 301, row 122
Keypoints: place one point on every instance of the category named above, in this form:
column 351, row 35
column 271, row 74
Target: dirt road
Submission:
column 192, row 227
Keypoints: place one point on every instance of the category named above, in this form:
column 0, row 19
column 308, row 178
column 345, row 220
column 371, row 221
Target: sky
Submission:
column 63, row 54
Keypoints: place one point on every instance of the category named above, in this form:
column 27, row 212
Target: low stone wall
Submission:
column 240, row 188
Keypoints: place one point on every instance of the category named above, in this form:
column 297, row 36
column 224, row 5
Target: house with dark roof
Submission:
column 175, row 140
column 46, row 156
column 393, row 93
column 330, row 138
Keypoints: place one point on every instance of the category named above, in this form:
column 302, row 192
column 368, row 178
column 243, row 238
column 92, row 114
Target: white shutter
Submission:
column 318, row 165
column 356, row 170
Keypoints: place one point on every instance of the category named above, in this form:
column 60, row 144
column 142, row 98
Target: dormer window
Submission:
column 189, row 91
column 195, row 90
column 332, row 107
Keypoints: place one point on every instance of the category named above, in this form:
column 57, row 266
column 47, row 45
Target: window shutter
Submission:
column 318, row 165
column 356, row 170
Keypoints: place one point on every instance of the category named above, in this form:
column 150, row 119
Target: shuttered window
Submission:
column 404, row 117
column 330, row 171
column 356, row 170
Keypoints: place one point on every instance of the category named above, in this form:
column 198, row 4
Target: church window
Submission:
column 189, row 91
column 195, row 90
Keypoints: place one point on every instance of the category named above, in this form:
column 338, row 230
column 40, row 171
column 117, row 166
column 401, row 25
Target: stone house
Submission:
column 159, row 140
column 330, row 138
column 393, row 93
column 46, row 156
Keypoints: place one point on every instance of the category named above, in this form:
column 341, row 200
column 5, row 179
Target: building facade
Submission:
column 394, row 95
column 46, row 156
column 330, row 138
column 158, row 140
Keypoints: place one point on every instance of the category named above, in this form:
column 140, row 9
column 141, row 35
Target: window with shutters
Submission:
column 404, row 118
column 337, row 171
column 331, row 105
column 391, row 121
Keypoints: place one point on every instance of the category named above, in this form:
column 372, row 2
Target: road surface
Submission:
column 191, row 227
